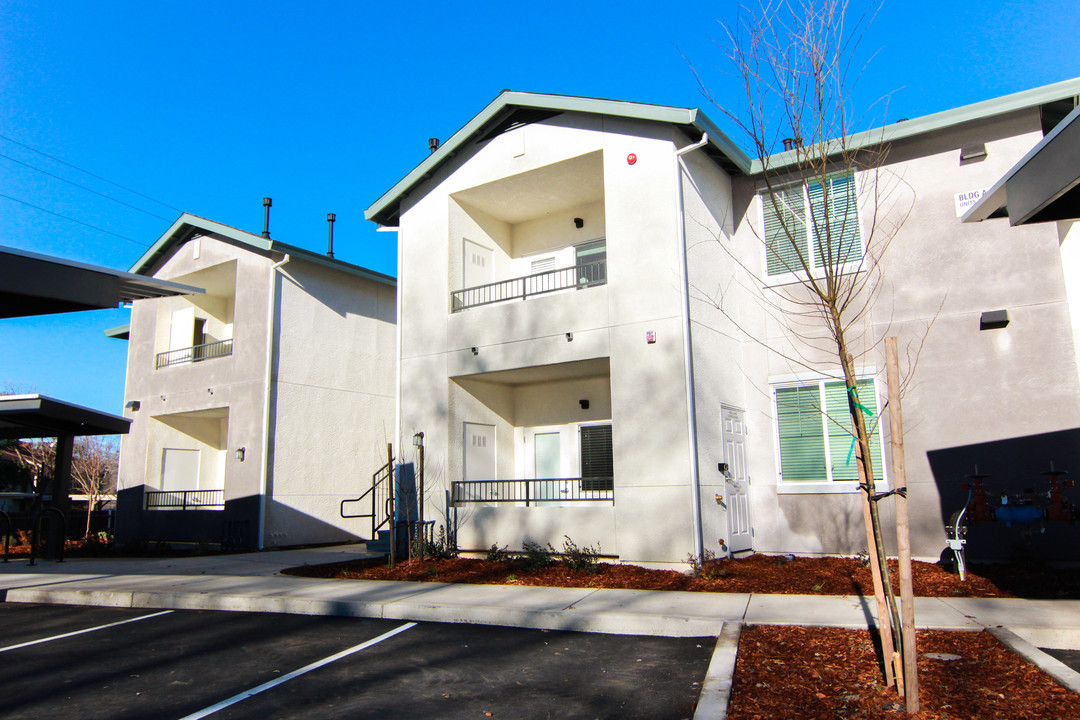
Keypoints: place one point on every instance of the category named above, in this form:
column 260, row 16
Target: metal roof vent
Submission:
column 266, row 217
column 330, row 218
column 433, row 144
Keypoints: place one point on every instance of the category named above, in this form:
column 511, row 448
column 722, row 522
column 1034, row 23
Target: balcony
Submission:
column 547, row 491
column 577, row 277
column 185, row 500
column 221, row 348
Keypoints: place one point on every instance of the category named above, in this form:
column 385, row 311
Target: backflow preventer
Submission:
column 1029, row 508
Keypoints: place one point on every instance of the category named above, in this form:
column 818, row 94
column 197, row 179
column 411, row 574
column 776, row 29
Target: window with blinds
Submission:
column 597, row 459
column 810, row 226
column 816, row 446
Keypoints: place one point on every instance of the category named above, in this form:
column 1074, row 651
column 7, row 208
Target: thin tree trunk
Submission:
column 903, row 530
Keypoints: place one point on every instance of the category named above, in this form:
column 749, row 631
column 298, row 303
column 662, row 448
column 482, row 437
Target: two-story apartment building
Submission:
column 259, row 405
column 584, row 346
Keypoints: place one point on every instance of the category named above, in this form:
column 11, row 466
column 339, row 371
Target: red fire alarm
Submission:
column 631, row 159
column 650, row 337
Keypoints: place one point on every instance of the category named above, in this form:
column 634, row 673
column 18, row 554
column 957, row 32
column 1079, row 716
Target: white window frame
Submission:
column 827, row 486
column 816, row 271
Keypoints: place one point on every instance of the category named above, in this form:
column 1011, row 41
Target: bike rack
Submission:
column 37, row 533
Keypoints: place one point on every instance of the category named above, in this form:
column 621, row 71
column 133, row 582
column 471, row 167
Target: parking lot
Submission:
column 89, row 662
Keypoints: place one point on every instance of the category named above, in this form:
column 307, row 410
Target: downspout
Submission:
column 271, row 321
column 688, row 357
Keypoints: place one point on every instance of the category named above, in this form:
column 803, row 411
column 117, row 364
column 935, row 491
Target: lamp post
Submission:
column 418, row 442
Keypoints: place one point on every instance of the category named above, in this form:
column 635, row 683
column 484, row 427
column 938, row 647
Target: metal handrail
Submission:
column 583, row 275
column 221, row 348
column 185, row 499
column 377, row 491
column 533, row 491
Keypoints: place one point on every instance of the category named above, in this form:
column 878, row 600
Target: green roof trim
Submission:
column 385, row 210
column 188, row 226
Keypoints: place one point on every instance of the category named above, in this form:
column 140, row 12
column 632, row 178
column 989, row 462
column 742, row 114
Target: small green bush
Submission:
column 583, row 559
column 707, row 566
column 537, row 556
column 497, row 554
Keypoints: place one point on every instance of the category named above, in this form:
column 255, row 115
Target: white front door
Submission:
column 546, row 463
column 737, row 481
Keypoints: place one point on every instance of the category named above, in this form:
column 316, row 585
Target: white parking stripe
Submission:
column 80, row 632
column 296, row 673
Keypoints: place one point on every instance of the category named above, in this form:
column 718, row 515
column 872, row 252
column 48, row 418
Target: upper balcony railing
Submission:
column 220, row 348
column 580, row 276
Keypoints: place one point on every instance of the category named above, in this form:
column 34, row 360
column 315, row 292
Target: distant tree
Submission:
column 94, row 464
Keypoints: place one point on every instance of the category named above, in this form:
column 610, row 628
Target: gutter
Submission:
column 688, row 357
column 271, row 321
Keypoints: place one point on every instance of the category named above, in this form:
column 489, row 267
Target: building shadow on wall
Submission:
column 1013, row 466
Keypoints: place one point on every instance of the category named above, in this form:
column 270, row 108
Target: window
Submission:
column 816, row 446
column 591, row 262
column 802, row 218
column 597, row 459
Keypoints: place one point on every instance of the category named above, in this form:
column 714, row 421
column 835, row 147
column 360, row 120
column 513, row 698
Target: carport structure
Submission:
column 35, row 284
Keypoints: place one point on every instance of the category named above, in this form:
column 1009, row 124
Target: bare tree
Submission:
column 93, row 471
column 830, row 211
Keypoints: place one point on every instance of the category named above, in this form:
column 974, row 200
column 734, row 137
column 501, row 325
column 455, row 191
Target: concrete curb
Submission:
column 716, row 689
column 1053, row 667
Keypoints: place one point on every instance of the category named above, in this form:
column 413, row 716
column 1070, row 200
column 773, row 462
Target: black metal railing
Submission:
column 185, row 499
column 580, row 276
column 379, row 494
column 221, row 348
column 533, row 492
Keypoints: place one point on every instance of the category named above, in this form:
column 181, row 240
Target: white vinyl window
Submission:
column 814, row 435
column 811, row 226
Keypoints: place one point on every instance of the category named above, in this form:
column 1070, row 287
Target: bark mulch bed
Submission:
column 795, row 672
column 754, row 574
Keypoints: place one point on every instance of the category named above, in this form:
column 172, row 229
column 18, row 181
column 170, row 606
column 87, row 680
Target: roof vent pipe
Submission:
column 433, row 144
column 330, row 217
column 266, row 217
column 789, row 143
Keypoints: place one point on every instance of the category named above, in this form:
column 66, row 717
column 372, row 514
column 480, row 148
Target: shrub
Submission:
column 537, row 556
column 583, row 559
column 441, row 547
column 497, row 554
column 707, row 566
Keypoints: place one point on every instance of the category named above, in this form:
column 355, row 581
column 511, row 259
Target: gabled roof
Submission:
column 512, row 109
column 33, row 284
column 189, row 226
column 1044, row 186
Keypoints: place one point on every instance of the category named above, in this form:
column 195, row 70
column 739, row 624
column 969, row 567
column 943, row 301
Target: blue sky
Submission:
column 206, row 107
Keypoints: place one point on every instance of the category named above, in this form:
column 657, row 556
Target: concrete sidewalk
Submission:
column 252, row 582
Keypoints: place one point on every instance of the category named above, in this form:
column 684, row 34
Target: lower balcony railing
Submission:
column 185, row 499
column 580, row 276
column 220, row 348
column 533, row 492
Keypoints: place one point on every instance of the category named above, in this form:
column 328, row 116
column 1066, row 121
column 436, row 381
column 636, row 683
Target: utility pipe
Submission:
column 688, row 357
column 271, row 321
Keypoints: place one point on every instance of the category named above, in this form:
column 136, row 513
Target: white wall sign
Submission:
column 965, row 200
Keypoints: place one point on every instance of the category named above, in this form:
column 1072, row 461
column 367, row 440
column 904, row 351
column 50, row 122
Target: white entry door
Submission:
column 479, row 452
column 737, row 481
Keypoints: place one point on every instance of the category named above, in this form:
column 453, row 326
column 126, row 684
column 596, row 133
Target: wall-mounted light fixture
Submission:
column 584, row 404
column 579, row 223
column 994, row 320
column 972, row 153
column 240, row 454
column 133, row 405
column 418, row 439
column 210, row 390
column 476, row 351
column 569, row 337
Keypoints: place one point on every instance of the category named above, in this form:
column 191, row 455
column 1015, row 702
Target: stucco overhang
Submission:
column 534, row 106
column 1044, row 186
column 189, row 226
column 34, row 284
column 35, row 416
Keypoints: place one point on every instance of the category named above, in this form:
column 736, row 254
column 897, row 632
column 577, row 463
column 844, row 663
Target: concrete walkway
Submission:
column 253, row 582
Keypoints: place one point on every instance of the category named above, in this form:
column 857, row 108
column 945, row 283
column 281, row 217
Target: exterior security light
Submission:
column 133, row 405
column 579, row 223
column 584, row 404
column 240, row 454
column 994, row 320
column 475, row 351
column 418, row 439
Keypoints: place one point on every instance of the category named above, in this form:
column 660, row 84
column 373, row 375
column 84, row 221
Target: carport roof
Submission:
column 34, row 284
column 31, row 416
